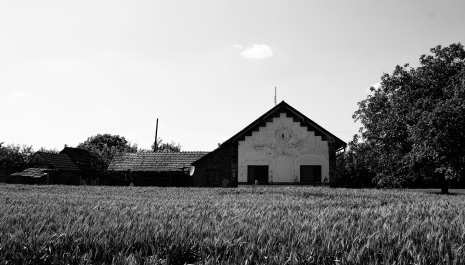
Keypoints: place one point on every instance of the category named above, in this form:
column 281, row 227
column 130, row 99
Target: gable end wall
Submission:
column 284, row 145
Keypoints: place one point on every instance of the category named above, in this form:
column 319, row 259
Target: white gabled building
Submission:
column 282, row 146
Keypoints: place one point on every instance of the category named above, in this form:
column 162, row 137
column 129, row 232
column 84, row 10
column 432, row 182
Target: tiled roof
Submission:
column 58, row 161
column 80, row 154
column 32, row 172
column 159, row 162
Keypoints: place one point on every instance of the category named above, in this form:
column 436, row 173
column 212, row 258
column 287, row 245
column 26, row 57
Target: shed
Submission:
column 66, row 172
column 153, row 169
column 33, row 176
column 282, row 146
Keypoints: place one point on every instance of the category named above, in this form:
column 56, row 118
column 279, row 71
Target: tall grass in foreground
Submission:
column 288, row 225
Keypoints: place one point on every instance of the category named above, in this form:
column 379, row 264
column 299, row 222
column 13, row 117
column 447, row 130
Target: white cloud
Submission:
column 376, row 86
column 16, row 94
column 258, row 51
column 237, row 46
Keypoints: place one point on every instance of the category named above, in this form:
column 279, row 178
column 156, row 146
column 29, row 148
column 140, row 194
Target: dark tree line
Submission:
column 413, row 125
column 14, row 153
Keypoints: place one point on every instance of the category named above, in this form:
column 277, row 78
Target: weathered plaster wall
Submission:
column 283, row 145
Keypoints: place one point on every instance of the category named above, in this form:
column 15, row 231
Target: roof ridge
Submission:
column 182, row 152
column 51, row 153
column 161, row 154
column 280, row 108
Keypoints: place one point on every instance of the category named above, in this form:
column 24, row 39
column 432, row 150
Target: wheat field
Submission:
column 261, row 225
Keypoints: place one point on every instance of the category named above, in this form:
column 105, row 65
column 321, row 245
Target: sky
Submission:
column 205, row 69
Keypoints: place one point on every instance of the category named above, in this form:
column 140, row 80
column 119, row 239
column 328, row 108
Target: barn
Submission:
column 282, row 146
column 153, row 169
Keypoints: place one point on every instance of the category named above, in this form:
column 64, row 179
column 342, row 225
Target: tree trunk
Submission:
column 445, row 186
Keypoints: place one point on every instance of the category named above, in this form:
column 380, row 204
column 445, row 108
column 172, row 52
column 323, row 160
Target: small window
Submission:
column 214, row 176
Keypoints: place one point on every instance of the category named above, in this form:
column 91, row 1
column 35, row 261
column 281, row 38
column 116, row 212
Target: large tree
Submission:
column 413, row 123
column 107, row 146
column 353, row 166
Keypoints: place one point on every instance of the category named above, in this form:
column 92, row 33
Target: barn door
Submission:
column 310, row 174
column 259, row 173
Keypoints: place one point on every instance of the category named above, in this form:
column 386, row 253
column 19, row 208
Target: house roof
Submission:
column 283, row 107
column 59, row 161
column 32, row 173
column 80, row 154
column 157, row 162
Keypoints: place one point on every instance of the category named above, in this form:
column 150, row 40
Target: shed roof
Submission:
column 32, row 172
column 80, row 154
column 156, row 162
column 59, row 161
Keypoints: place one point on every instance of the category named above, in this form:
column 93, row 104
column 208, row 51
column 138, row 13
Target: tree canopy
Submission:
column 160, row 146
column 107, row 146
column 413, row 123
column 12, row 153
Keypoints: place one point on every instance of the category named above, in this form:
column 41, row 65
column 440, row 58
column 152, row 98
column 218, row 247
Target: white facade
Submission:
column 283, row 145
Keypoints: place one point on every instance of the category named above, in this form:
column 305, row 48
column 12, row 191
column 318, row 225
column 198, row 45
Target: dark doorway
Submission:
column 310, row 174
column 259, row 173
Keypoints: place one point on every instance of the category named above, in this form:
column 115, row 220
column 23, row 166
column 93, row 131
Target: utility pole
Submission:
column 155, row 145
column 275, row 96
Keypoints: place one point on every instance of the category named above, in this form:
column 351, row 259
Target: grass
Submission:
column 278, row 225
